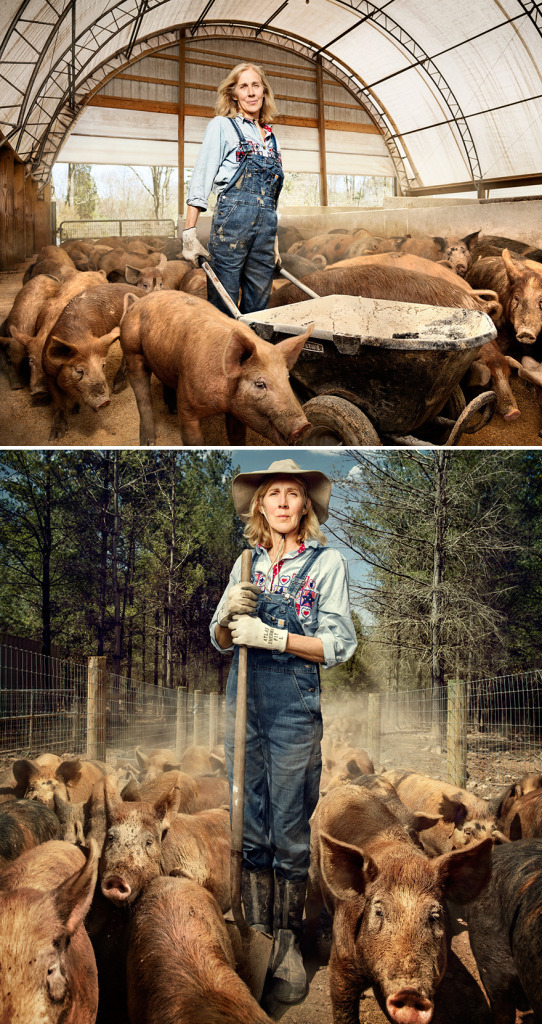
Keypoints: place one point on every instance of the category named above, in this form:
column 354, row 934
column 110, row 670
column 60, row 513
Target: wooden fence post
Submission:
column 96, row 709
column 180, row 722
column 373, row 726
column 195, row 732
column 213, row 720
column 457, row 733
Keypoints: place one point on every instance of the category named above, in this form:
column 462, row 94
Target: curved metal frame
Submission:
column 69, row 66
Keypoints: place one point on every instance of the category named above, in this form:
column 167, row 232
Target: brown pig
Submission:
column 458, row 252
column 152, row 789
column 388, row 902
column 181, row 964
column 523, row 818
column 158, row 760
column 72, row 780
column 51, row 259
column 24, row 824
column 169, row 275
column 47, row 966
column 492, row 369
column 47, row 317
column 23, row 316
column 431, row 247
column 215, row 365
column 75, row 352
column 114, row 263
column 519, row 287
column 145, row 840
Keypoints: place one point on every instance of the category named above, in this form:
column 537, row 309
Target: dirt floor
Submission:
column 26, row 424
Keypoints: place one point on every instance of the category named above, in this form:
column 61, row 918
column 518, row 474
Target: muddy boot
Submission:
column 289, row 978
column 257, row 895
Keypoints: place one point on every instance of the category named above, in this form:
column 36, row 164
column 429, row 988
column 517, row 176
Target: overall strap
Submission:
column 297, row 581
column 238, row 130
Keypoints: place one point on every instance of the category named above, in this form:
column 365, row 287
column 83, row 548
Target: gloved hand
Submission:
column 278, row 261
column 251, row 631
column 241, row 599
column 192, row 247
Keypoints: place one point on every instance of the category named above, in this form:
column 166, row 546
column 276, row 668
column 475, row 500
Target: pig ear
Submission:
column 441, row 242
column 102, row 273
column 58, row 350
column 74, row 896
column 69, row 771
column 471, row 240
column 24, row 771
column 452, row 810
column 107, row 339
column 161, row 262
column 512, row 269
column 61, row 807
column 23, row 339
column 131, row 791
column 345, row 869
column 239, row 348
column 129, row 300
column 465, row 872
column 169, row 766
column 131, row 274
column 479, row 374
column 218, row 763
column 291, row 348
column 513, row 363
column 141, row 758
column 420, row 820
column 166, row 807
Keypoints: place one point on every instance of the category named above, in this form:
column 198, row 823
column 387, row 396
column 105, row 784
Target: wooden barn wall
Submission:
column 25, row 219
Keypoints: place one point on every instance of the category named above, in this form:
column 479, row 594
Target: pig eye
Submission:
column 434, row 914
column 56, row 982
column 78, row 372
column 378, row 911
column 260, row 384
column 149, row 841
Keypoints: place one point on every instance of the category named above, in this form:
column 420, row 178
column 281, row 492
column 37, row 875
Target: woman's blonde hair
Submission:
column 226, row 104
column 257, row 529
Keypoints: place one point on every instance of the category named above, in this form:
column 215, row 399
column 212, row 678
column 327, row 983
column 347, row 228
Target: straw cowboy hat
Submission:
column 318, row 486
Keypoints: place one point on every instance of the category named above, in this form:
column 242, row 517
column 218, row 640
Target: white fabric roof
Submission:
column 455, row 86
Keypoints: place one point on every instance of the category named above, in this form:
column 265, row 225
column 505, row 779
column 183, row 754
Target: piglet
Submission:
column 214, row 365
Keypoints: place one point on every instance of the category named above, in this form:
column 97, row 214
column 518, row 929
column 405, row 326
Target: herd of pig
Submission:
column 80, row 297
column 114, row 884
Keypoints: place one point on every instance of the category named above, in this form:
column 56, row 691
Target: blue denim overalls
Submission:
column 284, row 730
column 242, row 238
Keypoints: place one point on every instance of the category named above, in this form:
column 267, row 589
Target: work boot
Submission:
column 289, row 978
column 257, row 895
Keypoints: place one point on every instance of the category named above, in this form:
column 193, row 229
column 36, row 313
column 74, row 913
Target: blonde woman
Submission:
column 239, row 160
column 293, row 617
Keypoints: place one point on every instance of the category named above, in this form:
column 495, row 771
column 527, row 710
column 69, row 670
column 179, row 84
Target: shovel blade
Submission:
column 257, row 948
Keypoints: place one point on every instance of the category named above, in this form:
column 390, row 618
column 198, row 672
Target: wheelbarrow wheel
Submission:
column 335, row 421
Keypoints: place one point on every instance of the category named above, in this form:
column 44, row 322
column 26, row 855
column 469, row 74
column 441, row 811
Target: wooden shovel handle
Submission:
column 239, row 758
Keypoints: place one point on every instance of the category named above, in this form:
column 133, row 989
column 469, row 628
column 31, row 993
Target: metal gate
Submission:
column 69, row 229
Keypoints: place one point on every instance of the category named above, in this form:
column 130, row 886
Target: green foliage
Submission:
column 82, row 190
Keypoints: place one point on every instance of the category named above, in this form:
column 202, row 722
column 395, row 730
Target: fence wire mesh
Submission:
column 68, row 708
column 483, row 734
column 70, row 229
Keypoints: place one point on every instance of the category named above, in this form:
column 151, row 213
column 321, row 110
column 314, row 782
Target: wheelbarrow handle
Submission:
column 304, row 288
column 226, row 299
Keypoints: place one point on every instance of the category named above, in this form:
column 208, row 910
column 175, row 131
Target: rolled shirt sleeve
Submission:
column 332, row 621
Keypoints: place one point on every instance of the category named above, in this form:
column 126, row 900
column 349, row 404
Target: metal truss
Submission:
column 55, row 94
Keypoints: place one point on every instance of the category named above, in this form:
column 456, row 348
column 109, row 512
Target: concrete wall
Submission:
column 449, row 218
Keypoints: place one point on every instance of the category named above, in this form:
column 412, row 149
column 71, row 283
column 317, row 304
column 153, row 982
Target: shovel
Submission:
column 228, row 301
column 257, row 946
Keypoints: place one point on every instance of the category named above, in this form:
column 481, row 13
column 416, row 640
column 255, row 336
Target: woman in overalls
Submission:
column 293, row 617
column 240, row 161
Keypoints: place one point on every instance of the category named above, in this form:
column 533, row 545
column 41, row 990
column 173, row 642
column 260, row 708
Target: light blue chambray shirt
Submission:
column 322, row 603
column 217, row 163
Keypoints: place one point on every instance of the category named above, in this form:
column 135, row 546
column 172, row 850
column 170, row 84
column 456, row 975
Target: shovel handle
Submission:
column 226, row 299
column 239, row 759
column 304, row 287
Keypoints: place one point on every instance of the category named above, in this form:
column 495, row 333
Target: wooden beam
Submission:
column 517, row 181
column 7, row 240
column 18, row 210
column 321, row 132
column 192, row 110
column 180, row 117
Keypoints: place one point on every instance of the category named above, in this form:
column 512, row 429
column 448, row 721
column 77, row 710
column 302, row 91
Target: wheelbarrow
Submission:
column 376, row 371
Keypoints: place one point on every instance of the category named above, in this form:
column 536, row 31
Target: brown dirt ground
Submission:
column 24, row 424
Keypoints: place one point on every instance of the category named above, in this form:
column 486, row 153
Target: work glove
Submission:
column 278, row 261
column 252, row 632
column 241, row 599
column 192, row 247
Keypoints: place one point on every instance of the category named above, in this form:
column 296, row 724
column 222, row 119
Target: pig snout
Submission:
column 300, row 433
column 116, row 888
column 526, row 336
column 101, row 402
column 409, row 1007
column 513, row 414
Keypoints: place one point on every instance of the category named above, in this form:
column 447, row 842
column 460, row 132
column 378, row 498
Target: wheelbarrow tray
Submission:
column 397, row 361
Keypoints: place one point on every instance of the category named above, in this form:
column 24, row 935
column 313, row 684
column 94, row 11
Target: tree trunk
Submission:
column 104, row 535
column 171, row 574
column 438, row 724
column 46, row 561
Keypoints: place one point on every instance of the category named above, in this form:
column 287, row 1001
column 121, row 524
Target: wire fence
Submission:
column 70, row 229
column 482, row 735
column 70, row 708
